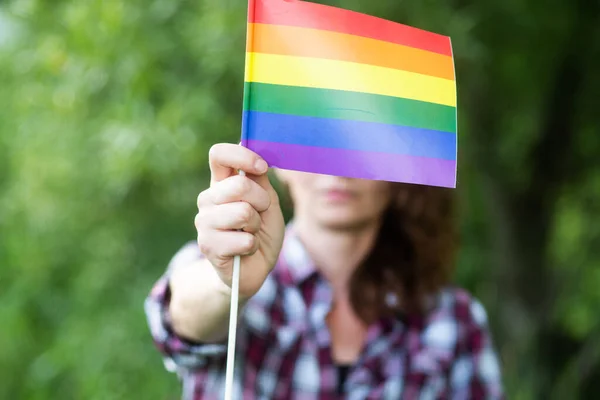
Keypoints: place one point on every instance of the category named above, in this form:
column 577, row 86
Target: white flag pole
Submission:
column 235, row 278
column 233, row 312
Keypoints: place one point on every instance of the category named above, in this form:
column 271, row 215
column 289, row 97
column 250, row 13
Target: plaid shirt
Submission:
column 284, row 345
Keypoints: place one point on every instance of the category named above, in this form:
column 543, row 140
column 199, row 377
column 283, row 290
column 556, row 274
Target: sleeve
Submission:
column 178, row 353
column 476, row 372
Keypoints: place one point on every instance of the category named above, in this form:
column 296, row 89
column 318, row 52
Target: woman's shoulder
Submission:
column 459, row 304
column 457, row 330
column 457, row 319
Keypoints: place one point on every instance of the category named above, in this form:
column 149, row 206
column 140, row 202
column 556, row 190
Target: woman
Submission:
column 351, row 300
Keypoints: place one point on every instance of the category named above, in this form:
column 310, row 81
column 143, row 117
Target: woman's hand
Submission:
column 239, row 215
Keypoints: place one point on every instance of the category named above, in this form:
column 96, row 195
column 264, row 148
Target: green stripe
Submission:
column 315, row 102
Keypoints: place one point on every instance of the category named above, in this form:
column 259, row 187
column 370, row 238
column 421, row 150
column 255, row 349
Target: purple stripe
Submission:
column 357, row 164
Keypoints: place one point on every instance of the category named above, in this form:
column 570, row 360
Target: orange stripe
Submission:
column 307, row 42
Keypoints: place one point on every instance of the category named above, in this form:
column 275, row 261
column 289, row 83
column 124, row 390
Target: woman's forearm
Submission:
column 200, row 302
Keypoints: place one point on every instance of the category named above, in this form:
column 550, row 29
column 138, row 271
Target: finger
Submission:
column 225, row 159
column 235, row 189
column 263, row 181
column 226, row 244
column 230, row 216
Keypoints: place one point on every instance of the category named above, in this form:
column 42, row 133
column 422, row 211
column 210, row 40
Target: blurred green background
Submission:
column 108, row 108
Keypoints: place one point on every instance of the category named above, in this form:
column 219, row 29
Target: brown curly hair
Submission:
column 413, row 256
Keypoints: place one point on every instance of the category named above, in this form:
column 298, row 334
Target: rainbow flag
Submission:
column 337, row 92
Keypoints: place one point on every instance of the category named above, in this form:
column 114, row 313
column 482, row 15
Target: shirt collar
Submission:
column 295, row 267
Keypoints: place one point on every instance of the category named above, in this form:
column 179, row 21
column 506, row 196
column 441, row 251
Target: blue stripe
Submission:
column 349, row 135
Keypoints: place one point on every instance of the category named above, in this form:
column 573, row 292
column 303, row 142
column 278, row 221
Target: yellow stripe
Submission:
column 342, row 75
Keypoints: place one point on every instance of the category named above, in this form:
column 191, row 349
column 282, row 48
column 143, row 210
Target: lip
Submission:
column 339, row 195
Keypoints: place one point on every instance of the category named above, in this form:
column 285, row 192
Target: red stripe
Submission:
column 317, row 16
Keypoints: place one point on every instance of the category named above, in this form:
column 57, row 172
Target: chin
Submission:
column 344, row 222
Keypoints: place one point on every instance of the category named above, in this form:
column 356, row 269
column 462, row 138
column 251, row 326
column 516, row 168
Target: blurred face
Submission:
column 334, row 202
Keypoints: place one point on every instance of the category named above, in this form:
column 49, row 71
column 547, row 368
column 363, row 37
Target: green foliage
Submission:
column 108, row 108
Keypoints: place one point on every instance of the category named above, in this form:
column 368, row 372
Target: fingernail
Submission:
column 261, row 165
